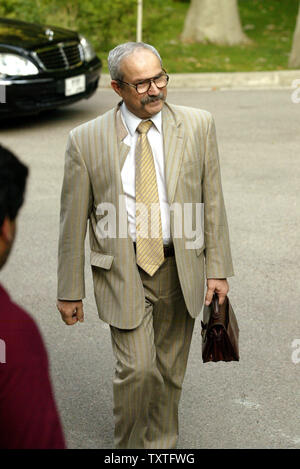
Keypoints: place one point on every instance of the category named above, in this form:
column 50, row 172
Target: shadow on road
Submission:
column 70, row 116
column 45, row 118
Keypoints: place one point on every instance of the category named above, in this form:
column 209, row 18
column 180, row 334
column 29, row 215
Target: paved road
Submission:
column 250, row 404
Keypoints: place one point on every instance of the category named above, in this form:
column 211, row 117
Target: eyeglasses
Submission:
column 144, row 86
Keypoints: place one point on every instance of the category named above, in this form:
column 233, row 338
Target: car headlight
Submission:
column 12, row 64
column 87, row 48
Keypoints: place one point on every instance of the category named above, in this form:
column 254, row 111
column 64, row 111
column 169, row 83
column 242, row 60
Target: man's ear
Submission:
column 7, row 230
column 116, row 87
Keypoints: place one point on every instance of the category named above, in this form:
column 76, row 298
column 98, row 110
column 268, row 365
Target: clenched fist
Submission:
column 218, row 285
column 71, row 311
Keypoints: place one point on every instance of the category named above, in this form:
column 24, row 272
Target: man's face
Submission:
column 139, row 66
column 7, row 236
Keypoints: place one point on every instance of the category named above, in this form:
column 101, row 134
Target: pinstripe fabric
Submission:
column 94, row 158
column 149, row 241
column 151, row 364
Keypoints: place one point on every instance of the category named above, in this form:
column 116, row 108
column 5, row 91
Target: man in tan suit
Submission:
column 149, row 285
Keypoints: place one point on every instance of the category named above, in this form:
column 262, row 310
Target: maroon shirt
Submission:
column 28, row 414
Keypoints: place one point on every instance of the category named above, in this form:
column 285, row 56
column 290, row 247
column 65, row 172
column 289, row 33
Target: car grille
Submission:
column 61, row 56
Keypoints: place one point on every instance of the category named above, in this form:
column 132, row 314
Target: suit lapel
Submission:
column 122, row 150
column 121, row 134
column 173, row 149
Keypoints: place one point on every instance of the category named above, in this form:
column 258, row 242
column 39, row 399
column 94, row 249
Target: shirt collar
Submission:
column 132, row 121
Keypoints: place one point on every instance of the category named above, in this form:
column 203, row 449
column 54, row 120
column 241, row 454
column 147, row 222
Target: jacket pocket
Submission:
column 101, row 260
column 197, row 245
column 200, row 250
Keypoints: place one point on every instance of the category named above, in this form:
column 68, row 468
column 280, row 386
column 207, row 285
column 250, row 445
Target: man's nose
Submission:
column 153, row 90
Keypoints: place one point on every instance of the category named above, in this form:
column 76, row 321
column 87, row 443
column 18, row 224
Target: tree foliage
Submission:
column 106, row 23
column 100, row 21
column 109, row 22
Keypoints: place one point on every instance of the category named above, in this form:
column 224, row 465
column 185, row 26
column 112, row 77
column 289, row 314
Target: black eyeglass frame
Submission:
column 150, row 80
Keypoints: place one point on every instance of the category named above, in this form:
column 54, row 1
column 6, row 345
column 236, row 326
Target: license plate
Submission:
column 74, row 85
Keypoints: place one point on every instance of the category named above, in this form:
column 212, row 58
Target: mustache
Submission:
column 152, row 99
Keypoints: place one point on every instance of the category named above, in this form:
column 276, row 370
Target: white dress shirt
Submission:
column 155, row 139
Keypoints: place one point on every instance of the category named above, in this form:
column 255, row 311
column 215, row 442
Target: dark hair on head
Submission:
column 13, row 175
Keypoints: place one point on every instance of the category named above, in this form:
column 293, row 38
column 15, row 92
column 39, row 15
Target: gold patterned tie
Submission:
column 149, row 242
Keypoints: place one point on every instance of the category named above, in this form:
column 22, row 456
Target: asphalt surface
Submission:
column 250, row 404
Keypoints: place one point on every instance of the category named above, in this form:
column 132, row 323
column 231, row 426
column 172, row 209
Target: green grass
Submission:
column 269, row 23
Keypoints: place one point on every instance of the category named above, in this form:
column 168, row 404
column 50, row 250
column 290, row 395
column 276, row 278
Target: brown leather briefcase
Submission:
column 220, row 332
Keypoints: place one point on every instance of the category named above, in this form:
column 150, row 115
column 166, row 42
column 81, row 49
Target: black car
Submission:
column 43, row 67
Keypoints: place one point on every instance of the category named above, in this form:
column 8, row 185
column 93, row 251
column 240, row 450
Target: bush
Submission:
column 110, row 22
column 105, row 23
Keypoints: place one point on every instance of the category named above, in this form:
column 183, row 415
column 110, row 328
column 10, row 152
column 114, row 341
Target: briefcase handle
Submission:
column 216, row 306
column 215, row 301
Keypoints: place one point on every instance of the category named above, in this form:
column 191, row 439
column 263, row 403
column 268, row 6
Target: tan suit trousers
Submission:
column 150, row 365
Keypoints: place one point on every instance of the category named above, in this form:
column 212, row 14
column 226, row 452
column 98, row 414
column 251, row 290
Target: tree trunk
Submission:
column 215, row 21
column 294, row 60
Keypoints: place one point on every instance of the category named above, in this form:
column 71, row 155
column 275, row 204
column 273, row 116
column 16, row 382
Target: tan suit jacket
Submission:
column 94, row 158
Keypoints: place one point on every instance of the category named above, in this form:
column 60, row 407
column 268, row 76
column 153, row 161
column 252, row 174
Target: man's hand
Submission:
column 71, row 311
column 218, row 285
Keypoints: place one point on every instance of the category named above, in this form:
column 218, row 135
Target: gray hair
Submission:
column 117, row 54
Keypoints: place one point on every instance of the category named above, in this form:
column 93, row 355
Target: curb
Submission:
column 227, row 80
